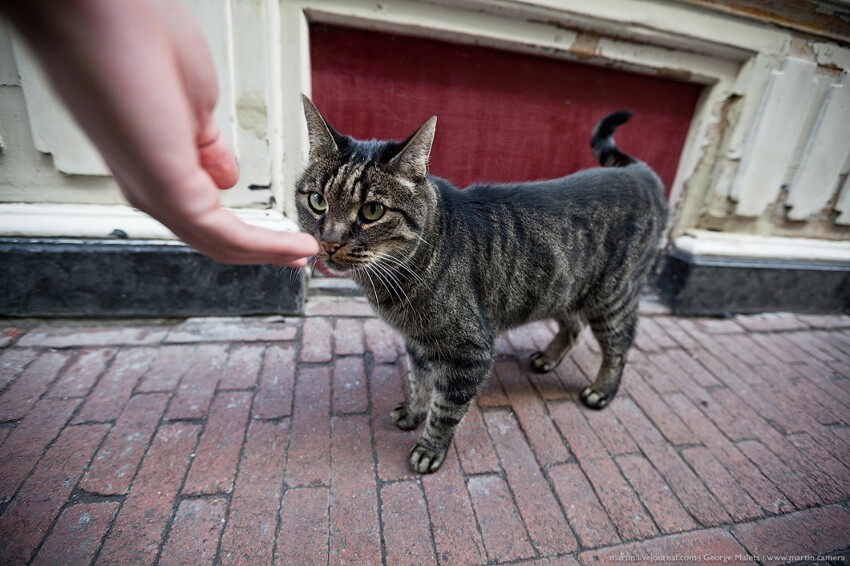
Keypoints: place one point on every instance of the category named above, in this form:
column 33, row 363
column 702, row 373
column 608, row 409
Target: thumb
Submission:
column 216, row 158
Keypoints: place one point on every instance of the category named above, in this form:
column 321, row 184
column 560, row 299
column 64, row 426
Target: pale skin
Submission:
column 138, row 77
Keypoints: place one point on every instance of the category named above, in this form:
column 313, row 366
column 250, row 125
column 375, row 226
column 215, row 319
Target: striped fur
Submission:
column 452, row 269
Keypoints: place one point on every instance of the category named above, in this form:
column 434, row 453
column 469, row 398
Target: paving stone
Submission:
column 197, row 387
column 456, row 534
column 83, row 372
column 19, row 397
column 195, row 532
column 77, row 534
column 242, row 370
column 73, row 336
column 585, row 512
column 167, row 368
column 273, row 398
column 317, row 334
column 217, row 456
column 504, row 535
column 114, row 389
column 407, row 533
column 805, row 533
column 348, row 337
column 392, row 445
column 12, row 363
column 474, row 447
column 308, row 456
column 114, row 466
column 381, row 341
column 655, row 494
column 672, row 549
column 233, row 329
column 303, row 537
column 349, row 392
column 38, row 502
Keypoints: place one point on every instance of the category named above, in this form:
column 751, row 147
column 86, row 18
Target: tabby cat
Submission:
column 450, row 269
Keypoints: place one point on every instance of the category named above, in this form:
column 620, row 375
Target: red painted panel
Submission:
column 502, row 116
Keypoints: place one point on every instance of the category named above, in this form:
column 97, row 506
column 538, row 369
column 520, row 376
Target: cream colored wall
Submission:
column 771, row 113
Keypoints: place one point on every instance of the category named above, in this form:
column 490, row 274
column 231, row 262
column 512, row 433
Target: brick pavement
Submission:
column 268, row 440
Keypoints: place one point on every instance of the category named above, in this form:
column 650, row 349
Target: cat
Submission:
column 450, row 269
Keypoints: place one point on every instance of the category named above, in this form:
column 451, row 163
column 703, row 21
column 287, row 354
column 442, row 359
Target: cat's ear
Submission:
column 322, row 141
column 412, row 160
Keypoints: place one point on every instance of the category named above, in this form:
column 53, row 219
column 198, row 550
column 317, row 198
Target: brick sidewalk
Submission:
column 269, row 440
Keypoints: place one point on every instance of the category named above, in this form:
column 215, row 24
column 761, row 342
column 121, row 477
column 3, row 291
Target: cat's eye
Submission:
column 317, row 202
column 372, row 211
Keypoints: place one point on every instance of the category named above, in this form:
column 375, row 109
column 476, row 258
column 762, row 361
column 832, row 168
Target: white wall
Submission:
column 771, row 123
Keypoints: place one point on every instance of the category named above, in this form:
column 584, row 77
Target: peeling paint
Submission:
column 252, row 113
column 585, row 45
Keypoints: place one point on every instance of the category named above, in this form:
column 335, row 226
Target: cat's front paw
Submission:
column 404, row 418
column 594, row 399
column 426, row 458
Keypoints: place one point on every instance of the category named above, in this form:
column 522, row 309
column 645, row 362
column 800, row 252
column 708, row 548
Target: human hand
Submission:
column 138, row 77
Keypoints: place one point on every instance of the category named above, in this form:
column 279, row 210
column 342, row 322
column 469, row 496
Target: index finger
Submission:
column 227, row 239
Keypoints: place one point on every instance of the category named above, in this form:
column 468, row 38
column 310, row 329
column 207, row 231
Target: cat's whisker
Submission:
column 400, row 264
column 366, row 272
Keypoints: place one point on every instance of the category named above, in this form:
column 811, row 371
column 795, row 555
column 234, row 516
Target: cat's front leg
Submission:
column 455, row 385
column 407, row 416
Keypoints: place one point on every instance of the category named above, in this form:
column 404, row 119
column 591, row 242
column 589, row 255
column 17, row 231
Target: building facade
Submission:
column 759, row 192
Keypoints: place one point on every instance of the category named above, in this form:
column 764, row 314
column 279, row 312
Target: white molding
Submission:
column 724, row 244
column 99, row 221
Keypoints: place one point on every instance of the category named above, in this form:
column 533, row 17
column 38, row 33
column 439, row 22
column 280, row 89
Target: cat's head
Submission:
column 364, row 201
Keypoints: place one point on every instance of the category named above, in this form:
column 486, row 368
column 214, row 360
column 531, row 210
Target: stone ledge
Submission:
column 136, row 278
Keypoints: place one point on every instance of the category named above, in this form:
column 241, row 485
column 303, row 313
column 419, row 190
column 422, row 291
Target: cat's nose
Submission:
column 330, row 247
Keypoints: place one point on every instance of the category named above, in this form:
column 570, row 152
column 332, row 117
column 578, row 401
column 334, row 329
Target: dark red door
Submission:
column 502, row 116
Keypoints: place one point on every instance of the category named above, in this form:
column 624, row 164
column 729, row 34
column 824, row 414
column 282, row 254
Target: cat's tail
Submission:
column 602, row 141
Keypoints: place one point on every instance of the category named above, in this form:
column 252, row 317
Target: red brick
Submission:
column 354, row 537
column 249, row 535
column 672, row 327
column 197, row 386
column 474, row 448
column 316, row 334
column 348, row 337
column 303, row 537
column 452, row 518
column 583, row 509
column 30, row 514
column 551, row 561
column 27, row 441
column 826, row 378
column 814, row 345
column 144, row 515
column 113, row 390
column 233, row 329
column 9, row 334
column 810, row 532
column 771, row 322
column 492, row 395
column 501, row 526
column 745, row 473
column 618, row 498
column 801, row 465
column 659, row 369
column 217, row 456
column 76, row 536
column 167, row 368
column 666, row 421
column 571, row 376
column 835, row 473
column 836, row 321
column 407, row 533
column 73, row 336
column 243, row 366
column 688, row 547
column 539, row 509
column 571, row 422
column 381, row 341
column 681, row 479
column 195, row 532
column 115, row 464
column 797, row 492
column 529, row 409
column 308, row 457
column 392, row 445
column 78, row 379
column 12, row 363
column 20, row 396
column 725, row 488
column 651, row 337
column 611, row 432
column 274, row 394
column 717, row 326
column 335, row 306
column 349, row 393
column 586, row 359
column 655, row 494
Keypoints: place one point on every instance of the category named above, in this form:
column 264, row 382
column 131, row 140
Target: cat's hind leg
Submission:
column 407, row 416
column 569, row 327
column 615, row 335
